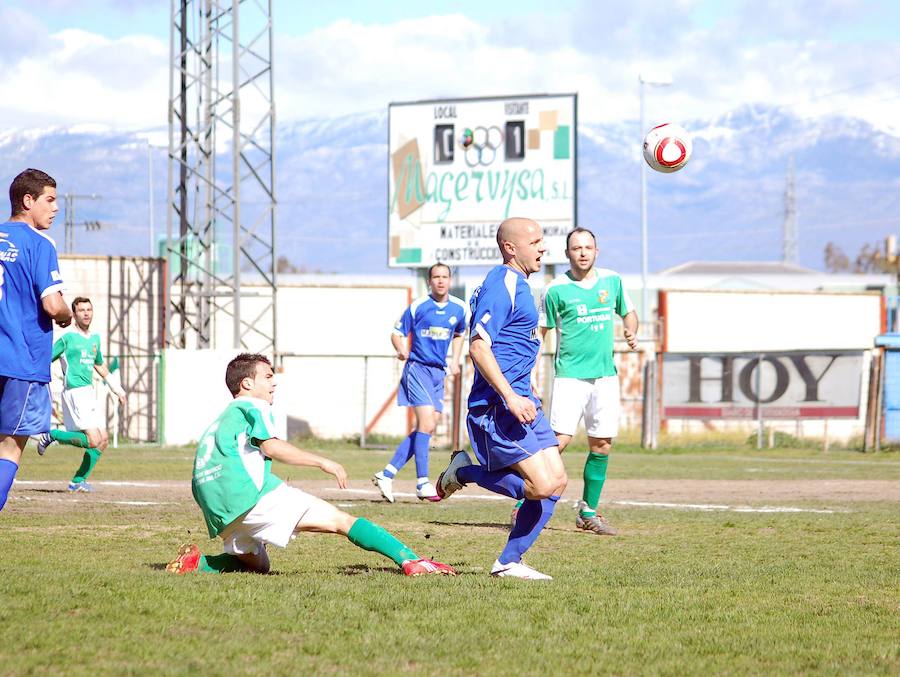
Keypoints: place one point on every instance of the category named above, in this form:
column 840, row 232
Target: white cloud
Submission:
column 759, row 53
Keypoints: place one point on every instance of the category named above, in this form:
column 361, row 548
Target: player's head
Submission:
column 439, row 279
column 521, row 244
column 251, row 374
column 32, row 198
column 83, row 311
column 581, row 249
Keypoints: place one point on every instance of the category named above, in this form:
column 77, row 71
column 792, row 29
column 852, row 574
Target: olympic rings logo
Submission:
column 481, row 145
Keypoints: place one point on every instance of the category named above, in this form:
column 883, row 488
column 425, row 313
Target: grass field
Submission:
column 706, row 576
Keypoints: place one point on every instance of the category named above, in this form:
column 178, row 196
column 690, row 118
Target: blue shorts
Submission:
column 499, row 440
column 24, row 407
column 421, row 386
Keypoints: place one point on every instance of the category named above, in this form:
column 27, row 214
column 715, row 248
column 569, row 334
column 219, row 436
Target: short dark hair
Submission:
column 80, row 299
column 241, row 367
column 30, row 182
column 579, row 229
column 439, row 265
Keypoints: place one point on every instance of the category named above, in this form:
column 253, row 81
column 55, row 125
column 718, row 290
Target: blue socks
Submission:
column 401, row 456
column 420, row 442
column 8, row 470
column 532, row 517
column 505, row 482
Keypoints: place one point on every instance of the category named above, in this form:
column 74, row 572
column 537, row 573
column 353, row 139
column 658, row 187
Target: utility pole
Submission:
column 69, row 220
column 790, row 248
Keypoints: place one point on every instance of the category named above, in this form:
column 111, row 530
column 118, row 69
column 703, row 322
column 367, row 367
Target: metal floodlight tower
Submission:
column 221, row 217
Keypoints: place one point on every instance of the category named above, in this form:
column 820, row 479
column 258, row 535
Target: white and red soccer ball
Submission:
column 667, row 148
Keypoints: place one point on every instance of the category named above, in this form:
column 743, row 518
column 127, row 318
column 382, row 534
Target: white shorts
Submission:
column 80, row 410
column 596, row 399
column 273, row 520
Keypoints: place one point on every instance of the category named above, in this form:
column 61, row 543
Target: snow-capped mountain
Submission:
column 728, row 203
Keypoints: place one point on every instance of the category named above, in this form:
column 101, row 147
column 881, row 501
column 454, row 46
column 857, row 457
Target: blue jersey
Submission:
column 29, row 271
column 505, row 316
column 433, row 326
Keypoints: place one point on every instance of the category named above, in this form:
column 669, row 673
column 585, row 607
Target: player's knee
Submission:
column 602, row 445
column 541, row 488
column 426, row 427
column 94, row 438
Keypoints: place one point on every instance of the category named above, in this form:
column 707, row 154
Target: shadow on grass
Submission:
column 362, row 569
column 52, row 491
column 487, row 525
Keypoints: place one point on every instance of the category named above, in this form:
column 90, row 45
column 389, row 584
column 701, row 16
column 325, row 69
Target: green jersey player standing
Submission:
column 580, row 305
column 79, row 352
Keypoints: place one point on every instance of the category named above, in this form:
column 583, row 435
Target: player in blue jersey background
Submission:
column 30, row 300
column 436, row 323
column 509, row 433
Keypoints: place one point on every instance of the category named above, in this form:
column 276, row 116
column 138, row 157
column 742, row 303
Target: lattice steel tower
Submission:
column 221, row 216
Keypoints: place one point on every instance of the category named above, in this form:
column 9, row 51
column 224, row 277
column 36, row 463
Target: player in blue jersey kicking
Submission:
column 30, row 301
column 436, row 322
column 509, row 433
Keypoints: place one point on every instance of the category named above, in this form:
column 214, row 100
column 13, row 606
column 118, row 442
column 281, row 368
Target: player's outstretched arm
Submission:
column 630, row 321
column 286, row 452
column 483, row 357
column 55, row 306
column 112, row 381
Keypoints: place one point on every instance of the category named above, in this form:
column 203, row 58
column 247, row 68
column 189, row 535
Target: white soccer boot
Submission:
column 427, row 492
column 385, row 485
column 518, row 570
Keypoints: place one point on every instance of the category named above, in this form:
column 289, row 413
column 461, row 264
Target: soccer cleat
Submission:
column 595, row 523
column 518, row 570
column 421, row 567
column 447, row 482
column 427, row 493
column 385, row 485
column 43, row 441
column 76, row 487
column 188, row 559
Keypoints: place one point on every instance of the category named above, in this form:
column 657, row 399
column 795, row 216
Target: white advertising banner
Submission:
column 457, row 168
column 789, row 385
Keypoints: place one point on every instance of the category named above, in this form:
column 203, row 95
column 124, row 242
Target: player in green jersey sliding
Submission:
column 249, row 507
column 580, row 304
column 80, row 353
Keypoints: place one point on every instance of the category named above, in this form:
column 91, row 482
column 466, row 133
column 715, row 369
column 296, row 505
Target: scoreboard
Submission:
column 458, row 167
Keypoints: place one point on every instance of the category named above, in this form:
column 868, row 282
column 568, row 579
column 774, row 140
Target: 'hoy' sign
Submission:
column 784, row 385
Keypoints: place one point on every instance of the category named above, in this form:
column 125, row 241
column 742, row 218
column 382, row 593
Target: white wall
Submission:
column 733, row 321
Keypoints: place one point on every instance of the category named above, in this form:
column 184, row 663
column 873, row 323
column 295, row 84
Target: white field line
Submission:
column 642, row 504
column 707, row 507
column 729, row 508
column 102, row 483
column 49, row 499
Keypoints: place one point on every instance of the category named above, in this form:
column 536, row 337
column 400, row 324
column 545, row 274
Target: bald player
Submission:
column 510, row 435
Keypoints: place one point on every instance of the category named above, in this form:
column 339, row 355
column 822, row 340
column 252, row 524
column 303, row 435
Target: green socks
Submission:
column 369, row 536
column 220, row 564
column 594, row 477
column 76, row 439
column 91, row 456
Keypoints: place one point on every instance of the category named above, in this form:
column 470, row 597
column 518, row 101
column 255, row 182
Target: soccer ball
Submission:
column 667, row 148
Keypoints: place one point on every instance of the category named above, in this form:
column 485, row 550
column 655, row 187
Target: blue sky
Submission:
column 105, row 62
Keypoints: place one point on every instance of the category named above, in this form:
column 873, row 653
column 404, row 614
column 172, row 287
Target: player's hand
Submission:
column 122, row 401
column 453, row 370
column 631, row 339
column 403, row 355
column 522, row 408
column 337, row 470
